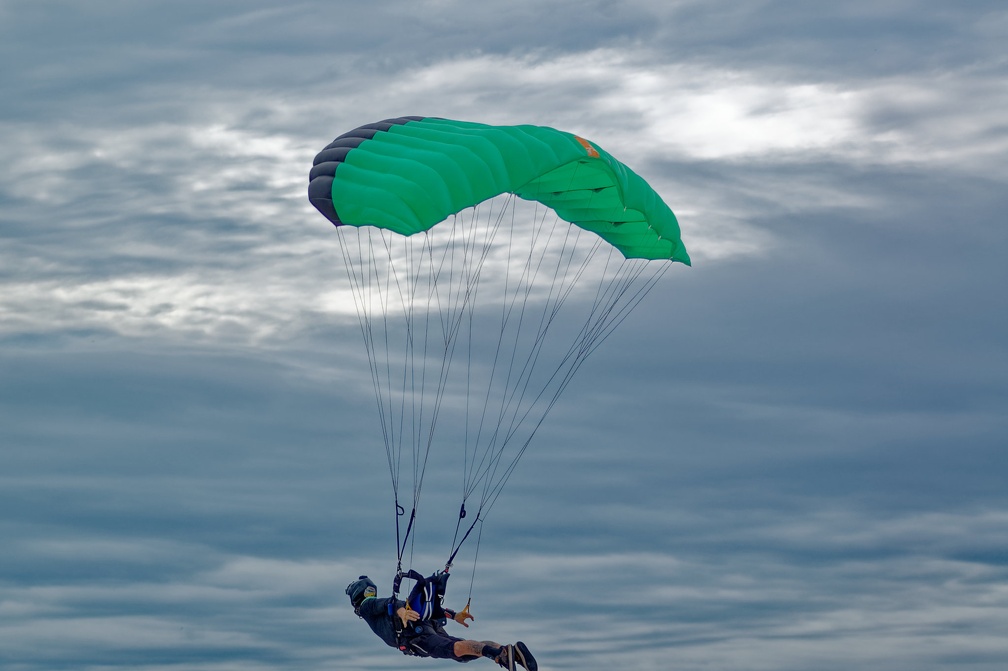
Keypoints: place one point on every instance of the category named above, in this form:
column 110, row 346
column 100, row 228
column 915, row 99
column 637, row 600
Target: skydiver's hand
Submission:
column 462, row 617
column 407, row 615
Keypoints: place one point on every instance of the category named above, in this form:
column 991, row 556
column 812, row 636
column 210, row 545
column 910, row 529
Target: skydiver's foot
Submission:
column 522, row 655
column 506, row 658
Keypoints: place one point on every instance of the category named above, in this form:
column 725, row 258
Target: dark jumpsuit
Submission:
column 424, row 639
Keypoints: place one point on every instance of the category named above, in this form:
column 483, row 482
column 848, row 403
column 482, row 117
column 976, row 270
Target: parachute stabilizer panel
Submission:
column 410, row 173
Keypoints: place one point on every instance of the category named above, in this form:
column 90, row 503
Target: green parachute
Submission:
column 411, row 173
column 484, row 265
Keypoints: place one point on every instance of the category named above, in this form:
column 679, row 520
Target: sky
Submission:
column 791, row 457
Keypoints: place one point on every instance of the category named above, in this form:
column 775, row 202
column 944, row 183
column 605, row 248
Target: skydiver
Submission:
column 404, row 628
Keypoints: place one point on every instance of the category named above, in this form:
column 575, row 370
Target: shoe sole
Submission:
column 525, row 657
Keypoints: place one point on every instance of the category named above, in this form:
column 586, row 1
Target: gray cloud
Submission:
column 790, row 457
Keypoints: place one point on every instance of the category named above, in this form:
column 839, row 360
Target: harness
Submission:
column 406, row 640
column 426, row 598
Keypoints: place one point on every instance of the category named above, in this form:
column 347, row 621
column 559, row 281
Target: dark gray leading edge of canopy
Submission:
column 324, row 166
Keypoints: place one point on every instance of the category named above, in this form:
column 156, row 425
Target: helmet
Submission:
column 357, row 590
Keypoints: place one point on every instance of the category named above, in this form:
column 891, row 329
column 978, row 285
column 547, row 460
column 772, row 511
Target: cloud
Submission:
column 169, row 197
column 790, row 457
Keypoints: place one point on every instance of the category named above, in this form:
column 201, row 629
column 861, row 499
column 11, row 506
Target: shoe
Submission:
column 522, row 655
column 506, row 658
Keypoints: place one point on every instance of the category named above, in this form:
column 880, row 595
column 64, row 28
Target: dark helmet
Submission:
column 357, row 589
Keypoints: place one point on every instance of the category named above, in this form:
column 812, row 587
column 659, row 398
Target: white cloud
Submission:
column 221, row 169
column 641, row 108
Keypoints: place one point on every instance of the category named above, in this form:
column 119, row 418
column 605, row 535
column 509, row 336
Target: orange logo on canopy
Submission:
column 587, row 145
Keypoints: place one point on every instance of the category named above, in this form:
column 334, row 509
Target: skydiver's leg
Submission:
column 468, row 648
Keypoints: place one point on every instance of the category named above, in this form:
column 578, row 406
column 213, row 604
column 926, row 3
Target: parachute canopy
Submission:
column 410, row 173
